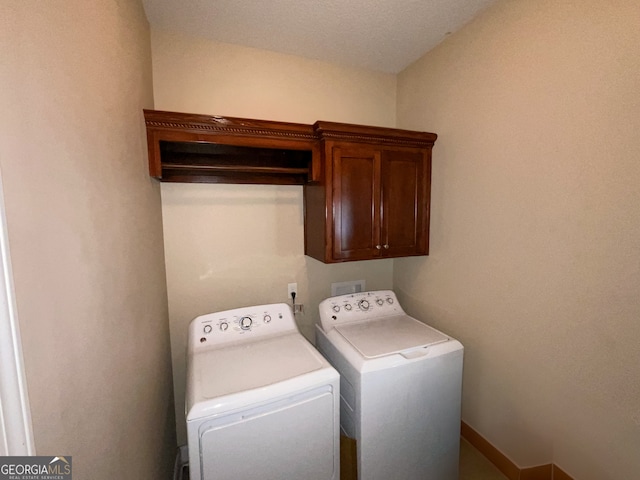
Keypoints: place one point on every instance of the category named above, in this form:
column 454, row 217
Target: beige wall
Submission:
column 535, row 250
column 85, row 234
column 199, row 76
column 228, row 246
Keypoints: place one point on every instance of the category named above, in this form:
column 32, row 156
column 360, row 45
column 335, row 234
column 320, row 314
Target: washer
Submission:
column 400, row 386
column 261, row 402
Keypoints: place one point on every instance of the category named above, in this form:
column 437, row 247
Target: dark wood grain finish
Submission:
column 183, row 131
column 373, row 135
column 405, row 202
column 367, row 189
column 215, row 124
column 375, row 197
column 356, row 189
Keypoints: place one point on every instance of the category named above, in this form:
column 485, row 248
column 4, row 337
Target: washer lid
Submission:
column 388, row 335
column 250, row 365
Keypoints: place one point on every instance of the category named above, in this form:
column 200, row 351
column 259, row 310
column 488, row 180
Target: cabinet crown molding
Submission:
column 188, row 147
column 216, row 124
column 377, row 135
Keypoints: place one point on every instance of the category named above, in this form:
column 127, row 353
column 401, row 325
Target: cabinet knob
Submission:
column 386, row 247
column 378, row 247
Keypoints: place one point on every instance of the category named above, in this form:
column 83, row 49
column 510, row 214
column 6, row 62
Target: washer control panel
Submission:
column 240, row 324
column 356, row 307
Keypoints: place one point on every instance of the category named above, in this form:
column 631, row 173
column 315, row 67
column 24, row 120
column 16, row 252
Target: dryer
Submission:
column 400, row 387
column 261, row 402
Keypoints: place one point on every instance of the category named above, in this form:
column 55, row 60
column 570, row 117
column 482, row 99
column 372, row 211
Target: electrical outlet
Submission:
column 292, row 288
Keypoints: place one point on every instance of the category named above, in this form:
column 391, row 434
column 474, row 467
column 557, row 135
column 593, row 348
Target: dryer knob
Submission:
column 380, row 302
column 336, row 308
column 207, row 329
column 389, row 300
column 347, row 307
column 245, row 323
column 223, row 326
column 363, row 304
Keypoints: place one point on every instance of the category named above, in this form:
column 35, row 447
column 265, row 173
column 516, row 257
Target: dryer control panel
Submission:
column 240, row 324
column 357, row 307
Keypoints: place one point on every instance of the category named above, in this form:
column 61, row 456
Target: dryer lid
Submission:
column 251, row 365
column 389, row 335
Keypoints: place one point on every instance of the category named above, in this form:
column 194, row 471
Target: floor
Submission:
column 473, row 465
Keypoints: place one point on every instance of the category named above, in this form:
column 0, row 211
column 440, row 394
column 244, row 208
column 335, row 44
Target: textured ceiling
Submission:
column 382, row 35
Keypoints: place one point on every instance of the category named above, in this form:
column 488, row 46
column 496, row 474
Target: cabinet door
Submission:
column 405, row 202
column 355, row 200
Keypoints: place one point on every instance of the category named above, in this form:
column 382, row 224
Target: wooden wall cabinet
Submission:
column 367, row 189
column 191, row 148
column 373, row 200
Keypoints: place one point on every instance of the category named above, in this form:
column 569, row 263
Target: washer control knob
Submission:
column 267, row 318
column 207, row 328
column 336, row 308
column 363, row 304
column 348, row 307
column 379, row 301
column 245, row 323
column 389, row 300
column 223, row 326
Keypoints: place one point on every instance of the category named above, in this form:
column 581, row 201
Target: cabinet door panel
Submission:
column 403, row 203
column 356, row 194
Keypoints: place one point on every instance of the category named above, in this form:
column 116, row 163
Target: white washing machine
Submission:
column 400, row 387
column 261, row 402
